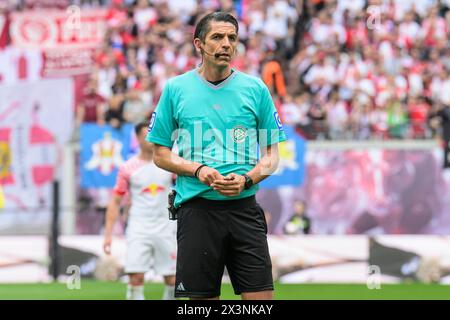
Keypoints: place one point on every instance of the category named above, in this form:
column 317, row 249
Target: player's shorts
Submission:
column 214, row 234
column 157, row 251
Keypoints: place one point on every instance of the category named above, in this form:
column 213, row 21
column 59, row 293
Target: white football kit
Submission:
column 150, row 234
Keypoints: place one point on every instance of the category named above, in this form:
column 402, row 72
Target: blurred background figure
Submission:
column 300, row 222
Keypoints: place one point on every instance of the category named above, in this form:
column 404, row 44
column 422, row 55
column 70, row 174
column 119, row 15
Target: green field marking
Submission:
column 96, row 290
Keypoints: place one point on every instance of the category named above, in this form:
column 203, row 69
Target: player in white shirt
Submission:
column 150, row 235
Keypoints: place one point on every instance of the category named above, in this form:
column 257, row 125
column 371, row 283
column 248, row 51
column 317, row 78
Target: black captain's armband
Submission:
column 172, row 210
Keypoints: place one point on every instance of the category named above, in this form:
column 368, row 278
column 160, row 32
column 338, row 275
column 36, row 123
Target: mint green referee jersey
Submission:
column 221, row 126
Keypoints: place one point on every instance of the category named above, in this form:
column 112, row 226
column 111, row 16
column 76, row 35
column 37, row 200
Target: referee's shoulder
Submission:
column 251, row 81
column 180, row 79
column 247, row 77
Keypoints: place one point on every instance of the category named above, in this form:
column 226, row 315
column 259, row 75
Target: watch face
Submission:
column 248, row 182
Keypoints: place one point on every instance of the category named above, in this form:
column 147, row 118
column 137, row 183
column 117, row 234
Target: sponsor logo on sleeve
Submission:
column 152, row 122
column 278, row 121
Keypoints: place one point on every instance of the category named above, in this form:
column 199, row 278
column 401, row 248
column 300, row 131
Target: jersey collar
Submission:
column 220, row 85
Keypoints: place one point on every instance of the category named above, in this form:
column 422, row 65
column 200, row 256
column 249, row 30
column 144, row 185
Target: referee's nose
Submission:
column 226, row 43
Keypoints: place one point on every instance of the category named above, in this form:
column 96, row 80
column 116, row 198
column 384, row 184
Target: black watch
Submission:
column 248, row 182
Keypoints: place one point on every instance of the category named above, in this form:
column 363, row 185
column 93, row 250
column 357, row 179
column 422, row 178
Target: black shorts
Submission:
column 214, row 234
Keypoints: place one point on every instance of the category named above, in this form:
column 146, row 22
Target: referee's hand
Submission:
column 208, row 175
column 231, row 185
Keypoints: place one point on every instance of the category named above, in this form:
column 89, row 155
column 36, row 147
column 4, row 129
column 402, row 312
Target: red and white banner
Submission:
column 67, row 62
column 57, row 29
column 33, row 129
column 19, row 65
column 51, row 43
column 4, row 30
column 33, row 4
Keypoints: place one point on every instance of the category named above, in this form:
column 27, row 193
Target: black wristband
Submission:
column 198, row 170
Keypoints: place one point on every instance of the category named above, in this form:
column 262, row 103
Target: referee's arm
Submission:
column 233, row 184
column 266, row 165
column 165, row 159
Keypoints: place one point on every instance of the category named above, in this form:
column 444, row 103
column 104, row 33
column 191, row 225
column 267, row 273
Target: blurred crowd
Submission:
column 337, row 69
column 371, row 69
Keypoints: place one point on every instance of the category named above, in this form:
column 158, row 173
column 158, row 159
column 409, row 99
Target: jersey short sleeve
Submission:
column 162, row 124
column 270, row 127
column 122, row 182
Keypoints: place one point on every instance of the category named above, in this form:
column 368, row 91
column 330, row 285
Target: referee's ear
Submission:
column 198, row 46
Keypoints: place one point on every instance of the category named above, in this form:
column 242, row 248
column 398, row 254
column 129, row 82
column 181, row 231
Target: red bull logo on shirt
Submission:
column 153, row 189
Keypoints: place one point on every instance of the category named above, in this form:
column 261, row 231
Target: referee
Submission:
column 227, row 132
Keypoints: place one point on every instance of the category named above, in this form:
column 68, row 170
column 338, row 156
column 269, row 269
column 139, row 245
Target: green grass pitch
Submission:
column 95, row 290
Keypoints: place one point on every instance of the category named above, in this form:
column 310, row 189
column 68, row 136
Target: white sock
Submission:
column 169, row 292
column 135, row 292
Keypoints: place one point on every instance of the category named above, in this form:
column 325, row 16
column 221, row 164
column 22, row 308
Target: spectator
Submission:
column 135, row 111
column 318, row 117
column 418, row 114
column 91, row 107
column 106, row 74
column 272, row 75
column 314, row 47
column 290, row 111
column 442, row 118
column 114, row 116
column 397, row 119
column 379, row 122
column 299, row 223
column 360, row 121
column 337, row 117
